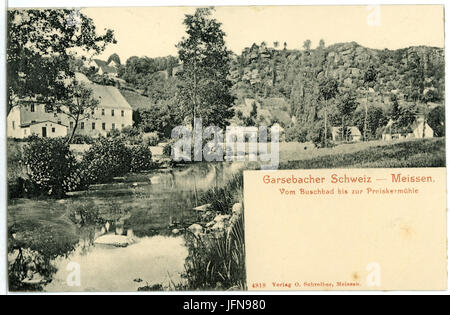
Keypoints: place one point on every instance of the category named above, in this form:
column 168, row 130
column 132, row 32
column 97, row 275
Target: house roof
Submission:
column 136, row 100
column 393, row 128
column 109, row 96
column 354, row 131
column 106, row 68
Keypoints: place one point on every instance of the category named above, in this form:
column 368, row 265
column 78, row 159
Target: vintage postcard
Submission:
column 226, row 148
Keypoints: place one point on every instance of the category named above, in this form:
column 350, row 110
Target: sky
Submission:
column 154, row 31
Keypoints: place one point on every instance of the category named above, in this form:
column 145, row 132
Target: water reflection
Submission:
column 157, row 259
column 145, row 207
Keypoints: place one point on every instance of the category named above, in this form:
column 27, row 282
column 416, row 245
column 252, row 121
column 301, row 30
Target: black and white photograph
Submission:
column 129, row 129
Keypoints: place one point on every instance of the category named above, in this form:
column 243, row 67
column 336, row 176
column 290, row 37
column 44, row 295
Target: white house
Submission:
column 415, row 130
column 112, row 112
column 352, row 134
column 104, row 68
column 418, row 129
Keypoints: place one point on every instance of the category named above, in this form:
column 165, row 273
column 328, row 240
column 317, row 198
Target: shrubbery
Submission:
column 110, row 157
column 129, row 135
column 105, row 159
column 82, row 139
column 85, row 214
column 151, row 139
column 141, row 158
column 167, row 150
column 51, row 167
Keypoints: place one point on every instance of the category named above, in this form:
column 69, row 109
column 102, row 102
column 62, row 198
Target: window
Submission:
column 59, row 122
column 71, row 125
column 113, row 126
column 53, row 130
column 123, row 126
column 103, row 126
column 93, row 112
column 122, row 113
column 32, row 108
column 112, row 112
column 14, row 124
column 82, row 125
column 25, row 132
column 93, row 126
column 103, row 112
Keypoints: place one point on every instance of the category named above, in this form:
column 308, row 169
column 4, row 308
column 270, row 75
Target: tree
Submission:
column 114, row 57
column 41, row 43
column 307, row 45
column 414, row 77
column 374, row 117
column 395, row 107
column 346, row 106
column 321, row 44
column 161, row 117
column 81, row 105
column 436, row 120
column 370, row 76
column 328, row 88
column 204, row 89
column 408, row 114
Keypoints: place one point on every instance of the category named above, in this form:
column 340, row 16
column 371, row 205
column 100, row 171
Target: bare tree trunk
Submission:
column 424, row 120
column 194, row 100
column 365, row 116
column 74, row 129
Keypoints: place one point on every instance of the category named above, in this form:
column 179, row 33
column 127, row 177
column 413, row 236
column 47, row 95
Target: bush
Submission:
column 82, row 139
column 141, row 158
column 296, row 133
column 151, row 139
column 15, row 187
column 113, row 133
column 105, row 159
column 85, row 214
column 167, row 150
column 130, row 132
column 51, row 167
column 129, row 135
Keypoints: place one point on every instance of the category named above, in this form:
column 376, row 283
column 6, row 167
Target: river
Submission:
column 145, row 207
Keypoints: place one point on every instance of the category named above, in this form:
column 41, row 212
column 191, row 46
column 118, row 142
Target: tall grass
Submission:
column 222, row 198
column 217, row 263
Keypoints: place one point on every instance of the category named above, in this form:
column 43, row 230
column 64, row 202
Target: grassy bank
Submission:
column 413, row 153
column 216, row 261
